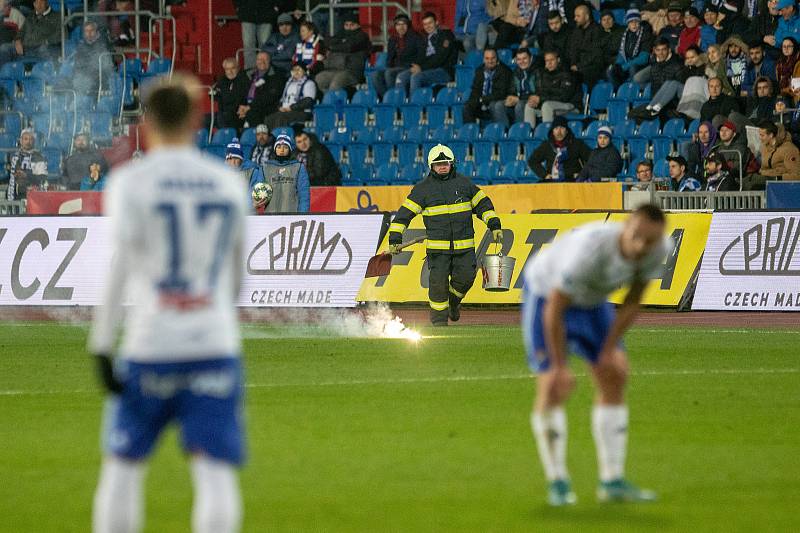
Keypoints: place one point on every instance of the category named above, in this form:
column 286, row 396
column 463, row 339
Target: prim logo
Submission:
column 766, row 249
column 300, row 249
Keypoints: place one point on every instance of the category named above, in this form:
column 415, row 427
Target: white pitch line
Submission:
column 446, row 379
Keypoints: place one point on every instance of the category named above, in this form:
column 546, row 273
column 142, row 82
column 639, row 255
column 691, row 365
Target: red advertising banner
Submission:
column 323, row 199
column 65, row 203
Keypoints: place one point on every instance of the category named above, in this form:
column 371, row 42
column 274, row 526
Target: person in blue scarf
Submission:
column 634, row 49
column 562, row 157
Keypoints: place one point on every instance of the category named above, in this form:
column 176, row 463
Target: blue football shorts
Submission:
column 203, row 397
column 586, row 329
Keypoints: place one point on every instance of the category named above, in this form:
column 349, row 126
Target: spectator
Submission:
column 556, row 36
column 644, row 175
column 784, row 67
column 780, row 159
column 672, row 31
column 789, row 23
column 708, row 31
column 612, row 33
column 690, row 35
column 633, row 52
column 733, row 147
column 604, row 161
column 288, row 178
column 263, row 147
column 664, row 66
column 562, row 157
column 471, row 23
column 691, row 73
column 257, row 18
column 519, row 104
column 438, row 62
column 92, row 60
column 297, row 100
column 39, row 37
column 234, row 157
column 94, row 178
column 318, row 160
column 84, row 153
column 764, row 25
column 760, row 66
column 585, row 53
column 555, row 88
column 680, row 180
column 347, row 52
column 310, row 49
column 496, row 10
column 263, row 94
column 118, row 27
column 761, row 105
column 716, row 68
column 698, row 149
column 13, row 21
column 735, row 53
column 731, row 21
column 718, row 178
column 719, row 105
column 27, row 167
column 490, row 87
column 405, row 48
column 282, row 44
column 525, row 20
column 231, row 90
column 787, row 112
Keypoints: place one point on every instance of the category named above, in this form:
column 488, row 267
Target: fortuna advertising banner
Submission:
column 290, row 261
column 751, row 263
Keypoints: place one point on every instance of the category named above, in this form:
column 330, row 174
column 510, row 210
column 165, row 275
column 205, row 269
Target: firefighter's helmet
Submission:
column 440, row 154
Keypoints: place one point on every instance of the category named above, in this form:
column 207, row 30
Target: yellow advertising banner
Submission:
column 506, row 198
column 524, row 236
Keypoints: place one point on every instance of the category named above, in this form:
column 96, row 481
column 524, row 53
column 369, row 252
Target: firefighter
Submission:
column 446, row 201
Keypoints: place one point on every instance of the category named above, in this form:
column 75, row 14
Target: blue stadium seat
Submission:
column 335, row 97
column 361, row 172
column 324, row 118
column 158, row 66
column 509, row 150
column 460, row 149
column 441, row 133
column 529, row 146
column 482, row 151
column 516, row 170
column 486, row 171
column 473, row 59
column 628, row 91
column 60, row 140
column 53, row 157
column 410, row 115
column 693, row 126
column 541, row 131
column 338, row 136
column 661, row 169
column 14, row 70
column 8, row 140
column 506, row 57
column 407, row 153
column 625, row 128
column 387, row 172
column 598, row 99
column 673, row 128
column 382, row 152
column 223, row 136
column 457, row 114
column 248, row 136
column 411, row 174
column 385, row 115
column 662, row 147
column 216, row 151
column 201, row 138
column 101, row 125
column 422, row 96
column 33, row 87
column 464, row 75
column 67, row 68
column 467, row 133
column 44, row 70
column 41, row 123
column 591, row 129
column 365, row 135
column 447, row 96
column 648, row 129
column 358, row 152
column 494, row 132
column 576, row 126
column 12, row 124
column 393, row 134
column 365, row 98
column 436, row 114
column 638, row 147
column 417, row 134
column 133, row 68
column 520, row 131
column 355, row 115
column 591, row 142
column 466, row 168
column 335, row 150
column 618, row 142
column 617, row 110
column 380, row 60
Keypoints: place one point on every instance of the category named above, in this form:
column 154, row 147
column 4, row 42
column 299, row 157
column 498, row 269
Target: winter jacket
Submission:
column 586, row 52
column 759, row 108
column 445, row 53
column 348, row 50
column 541, row 161
column 696, row 154
column 720, row 70
column 470, row 13
column 687, row 72
column 660, row 72
column 782, row 159
column 558, row 85
column 88, row 184
column 269, row 87
column 633, row 56
column 39, row 30
column 602, row 163
column 411, row 51
column 231, row 94
column 261, row 12
column 788, row 28
column 290, row 188
column 282, row 48
column 762, row 25
column 556, row 41
column 784, row 71
column 299, row 95
column 708, row 36
column 721, row 182
column 611, row 40
column 672, row 34
column 523, row 82
column 753, row 72
column 721, row 105
column 502, row 86
column 77, row 165
column 320, row 164
column 687, row 38
column 735, row 67
column 739, row 145
column 447, row 204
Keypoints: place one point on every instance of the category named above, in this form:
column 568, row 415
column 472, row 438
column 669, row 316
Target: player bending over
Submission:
column 565, row 309
column 176, row 227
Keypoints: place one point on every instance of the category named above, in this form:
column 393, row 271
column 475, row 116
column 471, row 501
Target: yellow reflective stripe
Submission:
column 398, row 227
column 480, row 195
column 455, row 292
column 487, row 215
column 439, row 306
column 446, row 209
column 445, row 245
column 412, row 206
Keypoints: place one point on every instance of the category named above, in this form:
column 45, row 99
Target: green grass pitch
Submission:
column 385, row 435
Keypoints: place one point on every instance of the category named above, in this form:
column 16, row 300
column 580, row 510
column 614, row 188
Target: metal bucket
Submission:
column 497, row 272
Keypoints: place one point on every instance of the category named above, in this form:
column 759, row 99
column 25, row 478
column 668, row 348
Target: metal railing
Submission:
column 331, row 8
column 136, row 13
column 12, row 207
column 709, row 201
column 212, row 94
column 124, row 65
column 74, row 114
column 160, row 20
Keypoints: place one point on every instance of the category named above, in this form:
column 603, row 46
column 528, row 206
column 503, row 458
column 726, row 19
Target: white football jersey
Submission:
column 587, row 265
column 177, row 222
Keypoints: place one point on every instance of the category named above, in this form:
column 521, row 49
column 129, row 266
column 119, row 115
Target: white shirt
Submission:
column 177, row 221
column 587, row 265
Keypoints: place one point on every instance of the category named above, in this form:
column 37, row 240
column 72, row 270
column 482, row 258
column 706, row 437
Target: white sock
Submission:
column 550, row 432
column 118, row 502
column 610, row 430
column 217, row 501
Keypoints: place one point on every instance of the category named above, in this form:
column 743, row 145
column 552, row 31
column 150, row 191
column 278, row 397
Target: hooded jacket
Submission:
column 739, row 145
column 320, row 164
column 765, row 69
column 447, row 204
column 542, row 159
column 735, row 67
column 602, row 163
column 557, row 85
column 697, row 152
column 782, row 159
column 348, row 50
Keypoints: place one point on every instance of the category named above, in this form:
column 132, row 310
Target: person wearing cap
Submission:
column 234, row 157
column 735, row 53
column 672, row 31
column 733, row 147
column 438, row 61
column 230, row 91
column 690, row 35
column 288, row 178
column 27, row 167
column 604, row 161
column 585, row 52
column 760, row 65
column 263, row 94
column 789, row 23
column 346, row 54
column 471, row 23
column 297, row 101
column 634, row 49
column 555, row 89
column 562, row 157
column 717, row 177
column 282, row 44
column 262, row 149
column 708, row 31
column 681, row 181
column 84, row 153
column 447, row 201
column 612, row 36
column 492, row 83
column 405, row 48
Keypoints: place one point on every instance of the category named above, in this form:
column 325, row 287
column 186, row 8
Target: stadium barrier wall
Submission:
column 291, row 260
column 524, row 236
column 751, row 263
column 12, row 207
column 783, row 195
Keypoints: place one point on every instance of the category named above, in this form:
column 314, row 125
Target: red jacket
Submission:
column 687, row 38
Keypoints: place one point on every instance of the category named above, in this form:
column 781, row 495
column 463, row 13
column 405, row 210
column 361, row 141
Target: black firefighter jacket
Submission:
column 446, row 204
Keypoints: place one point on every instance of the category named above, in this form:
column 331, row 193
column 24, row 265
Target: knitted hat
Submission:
column 234, row 150
column 559, row 122
column 730, row 125
column 632, row 14
column 674, row 6
column 284, row 139
column 692, row 12
column 262, row 128
column 284, row 18
column 604, row 130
